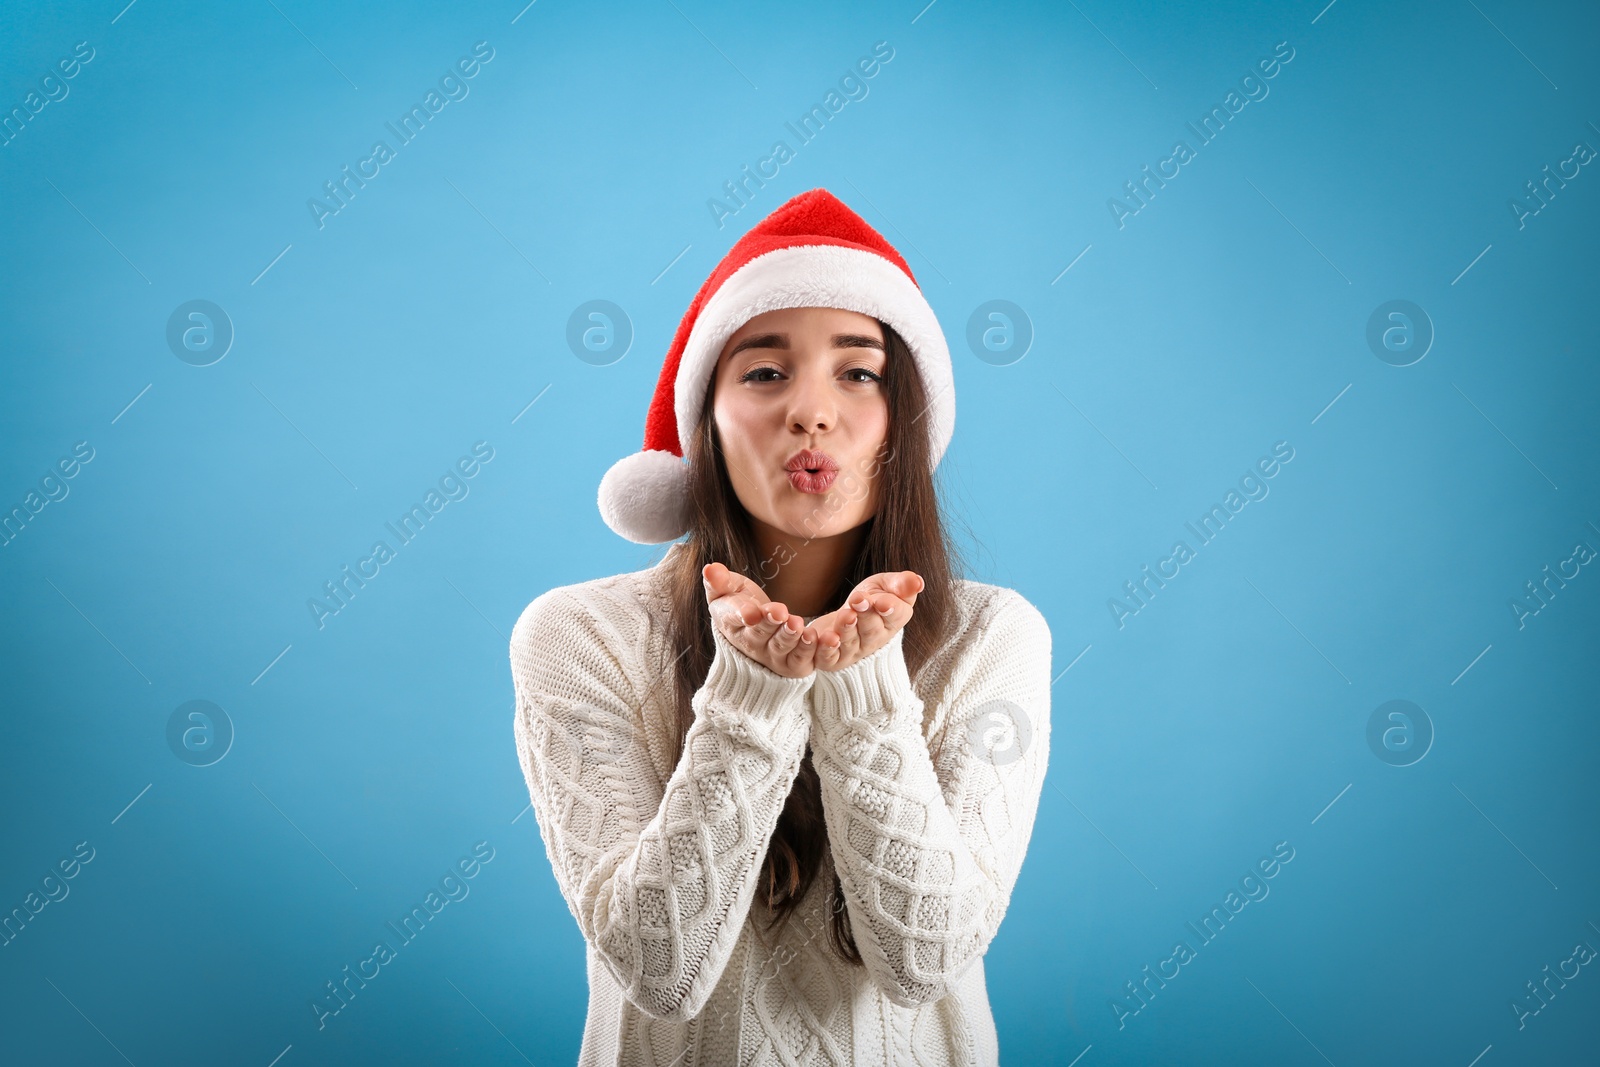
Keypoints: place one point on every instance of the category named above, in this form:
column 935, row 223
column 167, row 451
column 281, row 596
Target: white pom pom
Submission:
column 644, row 497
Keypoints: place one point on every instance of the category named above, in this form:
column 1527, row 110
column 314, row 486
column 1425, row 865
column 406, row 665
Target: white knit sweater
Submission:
column 659, row 862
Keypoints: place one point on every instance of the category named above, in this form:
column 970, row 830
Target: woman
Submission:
column 786, row 776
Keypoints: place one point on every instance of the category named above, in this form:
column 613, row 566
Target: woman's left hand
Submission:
column 875, row 609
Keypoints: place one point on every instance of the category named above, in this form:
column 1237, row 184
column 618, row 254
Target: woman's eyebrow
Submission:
column 761, row 340
column 781, row 340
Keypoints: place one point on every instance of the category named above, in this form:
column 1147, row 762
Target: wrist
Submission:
column 872, row 687
column 741, row 681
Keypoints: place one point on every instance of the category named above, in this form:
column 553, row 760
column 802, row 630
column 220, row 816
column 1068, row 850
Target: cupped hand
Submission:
column 876, row 608
column 760, row 628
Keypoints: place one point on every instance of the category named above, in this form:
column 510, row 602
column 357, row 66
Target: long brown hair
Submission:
column 907, row 532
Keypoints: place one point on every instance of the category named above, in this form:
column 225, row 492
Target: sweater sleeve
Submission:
column 927, row 869
column 660, row 880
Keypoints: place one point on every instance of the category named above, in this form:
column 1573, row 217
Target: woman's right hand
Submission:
column 761, row 629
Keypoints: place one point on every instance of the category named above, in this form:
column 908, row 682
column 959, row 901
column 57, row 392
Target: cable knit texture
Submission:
column 659, row 861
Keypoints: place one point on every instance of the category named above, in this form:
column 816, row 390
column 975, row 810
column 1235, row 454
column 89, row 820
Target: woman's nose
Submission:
column 812, row 404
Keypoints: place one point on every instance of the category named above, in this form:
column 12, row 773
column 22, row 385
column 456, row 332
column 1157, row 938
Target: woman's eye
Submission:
column 753, row 375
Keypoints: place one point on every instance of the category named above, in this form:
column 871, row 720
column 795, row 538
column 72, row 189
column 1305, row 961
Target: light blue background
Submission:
column 1227, row 315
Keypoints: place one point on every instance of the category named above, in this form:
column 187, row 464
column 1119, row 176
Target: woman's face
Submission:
column 801, row 379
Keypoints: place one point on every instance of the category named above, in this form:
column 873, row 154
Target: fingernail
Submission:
column 805, row 637
column 860, row 605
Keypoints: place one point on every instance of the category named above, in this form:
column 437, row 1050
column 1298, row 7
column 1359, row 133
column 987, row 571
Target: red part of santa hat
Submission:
column 812, row 251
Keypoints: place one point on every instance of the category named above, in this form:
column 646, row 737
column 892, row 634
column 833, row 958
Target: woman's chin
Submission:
column 809, row 520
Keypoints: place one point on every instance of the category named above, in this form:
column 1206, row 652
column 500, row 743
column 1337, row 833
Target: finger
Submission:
column 891, row 609
column 747, row 613
column 787, row 634
column 826, row 634
column 729, row 619
column 721, row 581
column 752, row 631
column 802, row 650
column 910, row 585
column 715, row 576
column 827, row 654
column 872, row 627
column 879, row 604
column 761, row 620
column 849, row 634
column 732, row 581
column 743, row 583
column 743, row 623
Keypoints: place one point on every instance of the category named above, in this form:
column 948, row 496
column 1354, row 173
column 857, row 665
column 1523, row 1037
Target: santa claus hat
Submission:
column 812, row 251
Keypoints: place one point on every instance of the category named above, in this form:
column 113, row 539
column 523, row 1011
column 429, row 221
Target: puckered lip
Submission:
column 810, row 459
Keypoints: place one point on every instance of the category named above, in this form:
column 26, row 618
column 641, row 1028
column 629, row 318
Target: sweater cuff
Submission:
column 737, row 681
column 875, row 688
